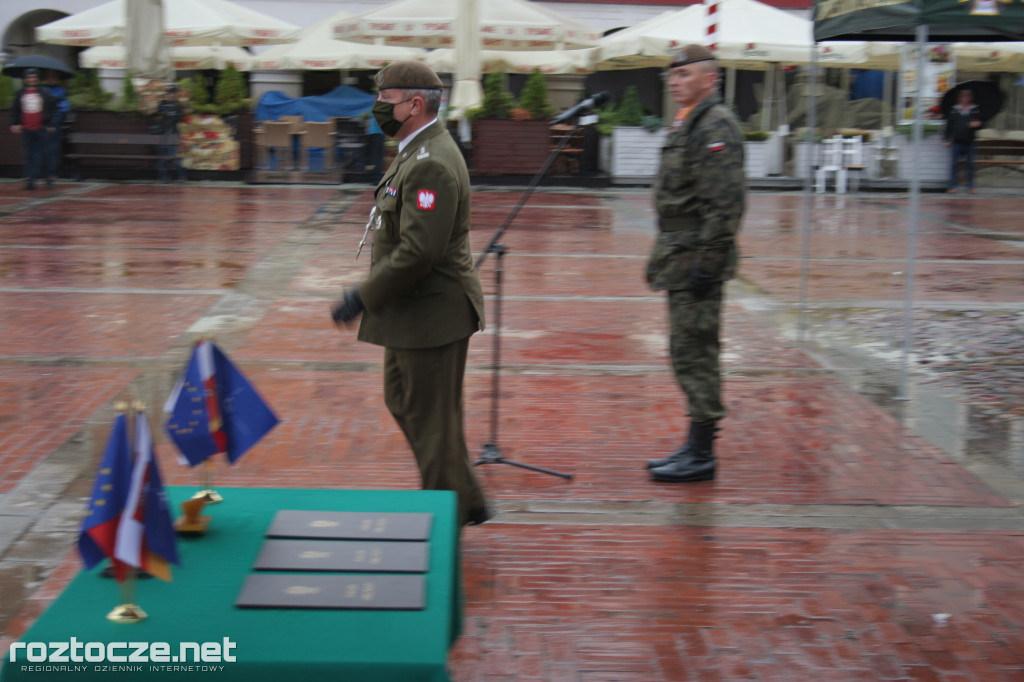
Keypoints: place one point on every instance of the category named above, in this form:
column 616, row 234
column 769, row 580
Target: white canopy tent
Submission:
column 186, row 22
column 192, row 58
column 317, row 50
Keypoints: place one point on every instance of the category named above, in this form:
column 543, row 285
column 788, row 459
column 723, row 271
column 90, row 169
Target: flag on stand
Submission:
column 145, row 535
column 98, row 535
column 215, row 409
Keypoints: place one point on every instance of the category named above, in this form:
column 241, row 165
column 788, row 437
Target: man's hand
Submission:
column 348, row 308
column 16, row 129
column 701, row 282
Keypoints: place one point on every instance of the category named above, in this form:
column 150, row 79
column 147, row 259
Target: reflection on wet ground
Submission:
column 853, row 533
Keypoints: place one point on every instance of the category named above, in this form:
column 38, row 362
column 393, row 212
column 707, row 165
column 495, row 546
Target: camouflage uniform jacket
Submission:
column 699, row 195
column 423, row 290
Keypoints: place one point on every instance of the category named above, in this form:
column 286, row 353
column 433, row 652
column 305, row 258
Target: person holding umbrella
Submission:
column 962, row 124
column 33, row 118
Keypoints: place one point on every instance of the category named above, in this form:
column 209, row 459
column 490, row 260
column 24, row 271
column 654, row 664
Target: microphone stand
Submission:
column 492, row 452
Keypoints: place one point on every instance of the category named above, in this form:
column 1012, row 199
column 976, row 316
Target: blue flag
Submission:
column 99, row 527
column 246, row 417
column 215, row 409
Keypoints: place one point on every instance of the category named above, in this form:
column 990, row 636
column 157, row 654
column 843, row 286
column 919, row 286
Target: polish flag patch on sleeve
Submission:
column 425, row 200
column 716, row 146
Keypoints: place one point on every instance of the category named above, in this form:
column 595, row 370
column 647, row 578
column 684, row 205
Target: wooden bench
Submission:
column 992, row 153
column 116, row 146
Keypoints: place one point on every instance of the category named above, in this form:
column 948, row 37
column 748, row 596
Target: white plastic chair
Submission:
column 831, row 162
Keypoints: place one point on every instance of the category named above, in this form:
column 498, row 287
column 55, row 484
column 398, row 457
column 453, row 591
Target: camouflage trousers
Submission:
column 694, row 349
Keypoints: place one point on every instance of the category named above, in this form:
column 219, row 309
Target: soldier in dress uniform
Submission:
column 422, row 300
column 699, row 195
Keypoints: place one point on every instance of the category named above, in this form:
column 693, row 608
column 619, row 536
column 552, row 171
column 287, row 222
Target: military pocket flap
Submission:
column 676, row 241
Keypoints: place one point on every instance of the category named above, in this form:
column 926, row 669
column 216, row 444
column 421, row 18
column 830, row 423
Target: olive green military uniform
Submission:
column 422, row 302
column 699, row 196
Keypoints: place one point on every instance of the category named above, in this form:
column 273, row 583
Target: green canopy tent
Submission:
column 918, row 21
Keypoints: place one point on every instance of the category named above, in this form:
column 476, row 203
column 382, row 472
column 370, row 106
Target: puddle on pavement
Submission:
column 970, row 434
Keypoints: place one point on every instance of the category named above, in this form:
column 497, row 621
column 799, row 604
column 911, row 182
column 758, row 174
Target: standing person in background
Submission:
column 55, row 139
column 32, row 116
column 169, row 114
column 961, row 126
column 422, row 299
column 699, row 195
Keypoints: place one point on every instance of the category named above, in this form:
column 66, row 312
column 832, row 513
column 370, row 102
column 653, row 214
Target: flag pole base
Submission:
column 127, row 613
column 191, row 522
column 209, row 496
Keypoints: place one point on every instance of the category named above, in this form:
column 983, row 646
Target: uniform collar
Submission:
column 408, row 140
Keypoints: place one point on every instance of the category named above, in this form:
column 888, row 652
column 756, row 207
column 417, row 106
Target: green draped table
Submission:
column 269, row 644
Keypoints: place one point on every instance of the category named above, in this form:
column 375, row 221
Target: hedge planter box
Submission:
column 506, row 147
column 636, row 153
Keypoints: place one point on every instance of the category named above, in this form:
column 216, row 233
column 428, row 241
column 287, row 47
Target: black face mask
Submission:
column 384, row 113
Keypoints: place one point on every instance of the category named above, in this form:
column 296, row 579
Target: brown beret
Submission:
column 407, row 74
column 691, row 54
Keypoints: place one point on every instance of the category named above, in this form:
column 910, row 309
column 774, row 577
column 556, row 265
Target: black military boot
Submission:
column 682, row 452
column 698, row 462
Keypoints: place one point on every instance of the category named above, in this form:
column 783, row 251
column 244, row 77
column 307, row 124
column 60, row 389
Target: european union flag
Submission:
column 99, row 527
column 215, row 409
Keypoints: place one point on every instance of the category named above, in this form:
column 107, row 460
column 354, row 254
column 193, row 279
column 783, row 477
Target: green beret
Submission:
column 691, row 54
column 407, row 74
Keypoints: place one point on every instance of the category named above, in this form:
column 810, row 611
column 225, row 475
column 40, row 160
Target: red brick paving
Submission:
column 41, row 408
column 586, row 391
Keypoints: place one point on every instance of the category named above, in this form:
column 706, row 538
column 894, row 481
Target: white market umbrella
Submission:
column 518, row 61
column 195, row 58
column 145, row 42
column 503, row 25
column 186, row 22
column 468, row 26
column 317, row 50
column 750, row 34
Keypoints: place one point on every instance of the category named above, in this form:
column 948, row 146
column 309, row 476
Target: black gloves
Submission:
column 701, row 282
column 348, row 308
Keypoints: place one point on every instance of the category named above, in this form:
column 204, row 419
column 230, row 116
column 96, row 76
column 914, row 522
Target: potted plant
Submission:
column 511, row 138
column 636, row 140
column 933, row 160
column 755, row 153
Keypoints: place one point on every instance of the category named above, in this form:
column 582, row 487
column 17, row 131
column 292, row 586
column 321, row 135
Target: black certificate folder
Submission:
column 342, row 555
column 306, row 591
column 318, row 525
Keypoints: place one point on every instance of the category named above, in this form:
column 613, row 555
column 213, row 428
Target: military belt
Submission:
column 678, row 224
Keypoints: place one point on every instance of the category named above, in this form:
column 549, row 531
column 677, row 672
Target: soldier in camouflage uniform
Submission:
column 422, row 299
column 699, row 197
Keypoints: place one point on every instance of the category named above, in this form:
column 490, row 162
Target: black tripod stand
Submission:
column 492, row 452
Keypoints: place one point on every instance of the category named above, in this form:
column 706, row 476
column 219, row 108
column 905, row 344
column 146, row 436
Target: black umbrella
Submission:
column 37, row 61
column 987, row 96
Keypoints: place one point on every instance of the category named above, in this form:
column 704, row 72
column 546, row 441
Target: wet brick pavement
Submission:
column 852, row 534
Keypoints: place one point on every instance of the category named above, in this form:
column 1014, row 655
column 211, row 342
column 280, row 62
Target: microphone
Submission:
column 583, row 107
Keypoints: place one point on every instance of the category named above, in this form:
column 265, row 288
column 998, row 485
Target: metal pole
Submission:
column 915, row 203
column 805, row 236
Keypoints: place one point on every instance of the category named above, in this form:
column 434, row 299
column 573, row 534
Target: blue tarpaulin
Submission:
column 343, row 100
